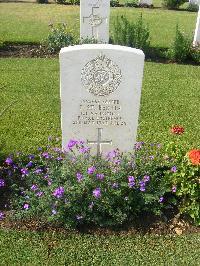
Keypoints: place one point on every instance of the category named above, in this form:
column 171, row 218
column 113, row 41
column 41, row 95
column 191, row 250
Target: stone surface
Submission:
column 146, row 2
column 194, row 2
column 197, row 31
column 94, row 19
column 100, row 95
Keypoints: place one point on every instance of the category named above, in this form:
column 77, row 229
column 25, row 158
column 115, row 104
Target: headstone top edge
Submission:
column 101, row 47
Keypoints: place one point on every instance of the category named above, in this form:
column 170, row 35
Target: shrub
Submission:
column 181, row 47
column 74, row 2
column 133, row 34
column 114, row 3
column 61, row 2
column 172, row 4
column 42, row 1
column 195, row 54
column 193, row 7
column 72, row 187
column 60, row 36
column 131, row 3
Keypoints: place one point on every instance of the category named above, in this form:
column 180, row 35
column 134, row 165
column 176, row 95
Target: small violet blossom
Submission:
column 146, row 178
column 38, row 171
column 173, row 169
column 79, row 177
column 79, row 217
column 91, row 205
column 71, row 143
column 30, row 164
column 142, row 186
column 161, row 199
column 9, row 161
column 1, row 215
column 84, row 150
column 174, row 189
column 97, row 192
column 39, row 194
column 26, row 206
column 91, row 170
column 34, row 187
column 115, row 185
column 131, row 181
column 54, row 212
column 100, row 176
column 2, row 183
column 24, row 171
column 58, row 192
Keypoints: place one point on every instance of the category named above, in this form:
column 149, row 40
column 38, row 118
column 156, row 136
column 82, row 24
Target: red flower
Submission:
column 178, row 130
column 194, row 156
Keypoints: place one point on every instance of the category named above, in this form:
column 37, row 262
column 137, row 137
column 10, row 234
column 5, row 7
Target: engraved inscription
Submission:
column 94, row 20
column 99, row 113
column 99, row 141
column 101, row 76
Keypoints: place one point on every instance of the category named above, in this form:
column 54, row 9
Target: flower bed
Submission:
column 72, row 187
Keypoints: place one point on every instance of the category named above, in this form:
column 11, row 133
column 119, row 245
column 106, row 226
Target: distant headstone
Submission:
column 194, row 2
column 145, row 2
column 94, row 20
column 100, row 95
column 197, row 31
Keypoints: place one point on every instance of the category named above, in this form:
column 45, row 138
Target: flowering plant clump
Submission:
column 72, row 187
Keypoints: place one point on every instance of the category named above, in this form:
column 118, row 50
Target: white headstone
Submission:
column 194, row 2
column 145, row 2
column 197, row 31
column 94, row 20
column 100, row 95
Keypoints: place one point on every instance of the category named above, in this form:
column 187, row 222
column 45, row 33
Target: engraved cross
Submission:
column 99, row 141
column 94, row 19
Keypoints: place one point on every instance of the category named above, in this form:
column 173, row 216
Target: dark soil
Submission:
column 146, row 224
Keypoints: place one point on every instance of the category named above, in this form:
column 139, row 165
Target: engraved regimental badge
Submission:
column 101, row 76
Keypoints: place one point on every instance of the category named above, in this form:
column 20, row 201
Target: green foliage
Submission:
column 72, row 187
column 74, row 2
column 132, row 34
column 172, row 4
column 131, row 3
column 59, row 37
column 114, row 3
column 195, row 54
column 42, row 1
column 193, row 7
column 181, row 47
column 186, row 180
column 61, row 2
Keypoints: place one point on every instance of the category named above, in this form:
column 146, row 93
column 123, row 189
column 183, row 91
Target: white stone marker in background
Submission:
column 94, row 19
column 100, row 95
column 194, row 2
column 197, row 31
column 146, row 2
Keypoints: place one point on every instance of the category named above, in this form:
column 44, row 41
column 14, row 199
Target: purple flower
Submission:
column 173, row 169
column 54, row 212
column 46, row 155
column 24, row 171
column 58, row 192
column 2, row 182
column 174, row 189
column 2, row 216
column 79, row 217
column 9, row 161
column 117, row 162
column 100, row 176
column 31, row 156
column 49, row 182
column 131, row 181
column 112, row 154
column 161, row 199
column 59, row 158
column 71, row 143
column 30, row 164
column 146, row 178
column 39, row 149
column 138, row 145
column 142, row 186
column 34, row 187
column 79, row 177
column 39, row 194
column 84, row 149
column 115, row 185
column 38, row 171
column 151, row 157
column 91, row 170
column 26, row 206
column 91, row 205
column 97, row 192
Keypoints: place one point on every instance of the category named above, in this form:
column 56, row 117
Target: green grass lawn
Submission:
column 28, row 248
column 29, row 94
column 28, row 22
